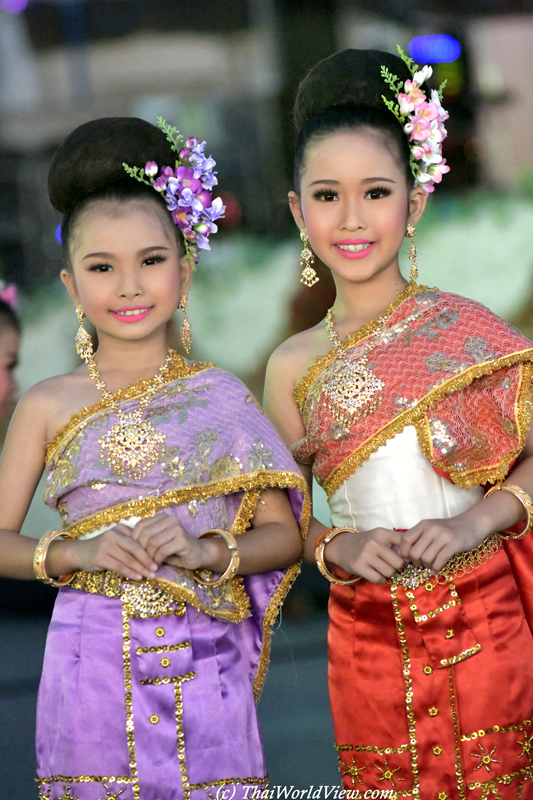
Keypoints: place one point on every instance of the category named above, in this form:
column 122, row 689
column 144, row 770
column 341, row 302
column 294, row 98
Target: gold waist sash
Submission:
column 411, row 577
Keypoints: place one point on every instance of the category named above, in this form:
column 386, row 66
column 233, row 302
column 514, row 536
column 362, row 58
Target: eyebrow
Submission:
column 141, row 252
column 365, row 180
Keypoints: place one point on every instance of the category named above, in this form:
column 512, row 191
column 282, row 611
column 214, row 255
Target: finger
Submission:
column 432, row 551
column 370, row 574
column 441, row 558
column 383, row 566
column 134, row 549
column 408, row 539
column 146, row 534
column 164, row 542
column 125, row 530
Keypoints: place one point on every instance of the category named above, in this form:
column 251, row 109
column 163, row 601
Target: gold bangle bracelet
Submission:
column 39, row 558
column 526, row 501
column 322, row 541
column 233, row 565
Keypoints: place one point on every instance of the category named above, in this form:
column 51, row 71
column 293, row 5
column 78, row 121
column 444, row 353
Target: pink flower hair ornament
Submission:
column 186, row 189
column 422, row 121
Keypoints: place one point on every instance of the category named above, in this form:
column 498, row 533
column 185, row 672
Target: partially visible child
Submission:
column 9, row 351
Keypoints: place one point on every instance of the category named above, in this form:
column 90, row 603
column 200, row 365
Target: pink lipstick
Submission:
column 354, row 248
column 133, row 314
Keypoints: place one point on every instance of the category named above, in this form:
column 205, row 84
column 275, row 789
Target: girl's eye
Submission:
column 378, row 191
column 327, row 195
column 100, row 268
column 154, row 260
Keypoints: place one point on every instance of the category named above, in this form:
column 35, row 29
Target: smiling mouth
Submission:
column 132, row 312
column 354, row 248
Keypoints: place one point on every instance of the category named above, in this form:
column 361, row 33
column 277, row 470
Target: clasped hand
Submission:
column 137, row 552
column 378, row 553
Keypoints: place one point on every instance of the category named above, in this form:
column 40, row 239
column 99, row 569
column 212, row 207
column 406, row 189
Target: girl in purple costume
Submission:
column 150, row 672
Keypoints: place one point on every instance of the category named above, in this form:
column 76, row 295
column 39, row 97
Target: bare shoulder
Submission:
column 292, row 359
column 54, row 400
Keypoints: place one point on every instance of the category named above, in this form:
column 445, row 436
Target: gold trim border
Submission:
column 415, row 416
column 179, row 370
column 352, row 340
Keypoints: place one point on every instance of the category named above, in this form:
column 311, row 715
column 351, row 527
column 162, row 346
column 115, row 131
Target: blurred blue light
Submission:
column 58, row 234
column 437, row 49
column 13, row 6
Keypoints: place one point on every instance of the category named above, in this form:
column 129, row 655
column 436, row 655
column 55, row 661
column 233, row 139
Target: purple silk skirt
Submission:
column 156, row 708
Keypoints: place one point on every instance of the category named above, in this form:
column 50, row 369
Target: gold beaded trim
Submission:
column 231, row 782
column 148, row 506
column 130, row 730
column 168, row 679
column 416, row 416
column 461, row 656
column 164, row 648
column 468, row 737
column 147, row 599
column 408, row 681
column 455, row 601
column 350, row 341
column 382, row 751
column 488, row 786
column 179, row 369
column 85, row 779
column 457, row 746
column 181, row 733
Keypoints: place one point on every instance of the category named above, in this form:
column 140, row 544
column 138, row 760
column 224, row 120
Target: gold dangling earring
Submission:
column 413, row 275
column 309, row 276
column 84, row 344
column 186, row 337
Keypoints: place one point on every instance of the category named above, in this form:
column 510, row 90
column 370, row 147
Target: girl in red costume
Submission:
column 409, row 404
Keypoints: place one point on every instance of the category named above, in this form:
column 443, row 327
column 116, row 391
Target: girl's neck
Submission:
column 359, row 303
column 136, row 359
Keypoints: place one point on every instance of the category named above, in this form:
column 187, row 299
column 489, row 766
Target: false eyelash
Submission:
column 321, row 193
column 157, row 258
column 384, row 190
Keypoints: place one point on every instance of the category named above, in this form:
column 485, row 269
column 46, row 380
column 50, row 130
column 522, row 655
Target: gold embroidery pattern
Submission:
column 178, row 369
column 383, row 751
column 164, row 648
column 130, row 730
column 418, row 618
column 230, row 782
column 353, row 771
column 181, row 733
column 486, row 759
column 148, row 506
column 461, row 656
column 468, row 737
column 457, row 746
column 416, row 416
column 490, row 786
column 44, row 794
column 527, row 746
column 388, row 773
column 355, row 338
column 408, row 694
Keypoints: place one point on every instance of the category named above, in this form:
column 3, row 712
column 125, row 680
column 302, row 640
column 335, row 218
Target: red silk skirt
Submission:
column 432, row 688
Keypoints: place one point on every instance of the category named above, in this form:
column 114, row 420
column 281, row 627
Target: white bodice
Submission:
column 396, row 488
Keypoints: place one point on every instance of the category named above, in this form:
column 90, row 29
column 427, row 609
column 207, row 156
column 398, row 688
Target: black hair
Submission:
column 345, row 92
column 88, row 166
column 8, row 317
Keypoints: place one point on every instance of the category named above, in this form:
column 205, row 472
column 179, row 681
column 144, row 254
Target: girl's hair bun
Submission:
column 91, row 157
column 351, row 77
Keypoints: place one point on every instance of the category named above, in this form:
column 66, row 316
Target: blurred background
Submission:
column 227, row 72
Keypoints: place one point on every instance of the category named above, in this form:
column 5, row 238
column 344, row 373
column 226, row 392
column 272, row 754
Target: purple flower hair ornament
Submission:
column 186, row 189
column 421, row 120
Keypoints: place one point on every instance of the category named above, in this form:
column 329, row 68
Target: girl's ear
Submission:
column 68, row 279
column 417, row 203
column 185, row 274
column 296, row 209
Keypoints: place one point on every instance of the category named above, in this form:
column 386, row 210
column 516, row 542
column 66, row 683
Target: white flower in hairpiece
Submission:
column 422, row 75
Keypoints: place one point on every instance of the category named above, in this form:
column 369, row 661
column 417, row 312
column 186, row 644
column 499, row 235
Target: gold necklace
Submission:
column 132, row 446
column 353, row 391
